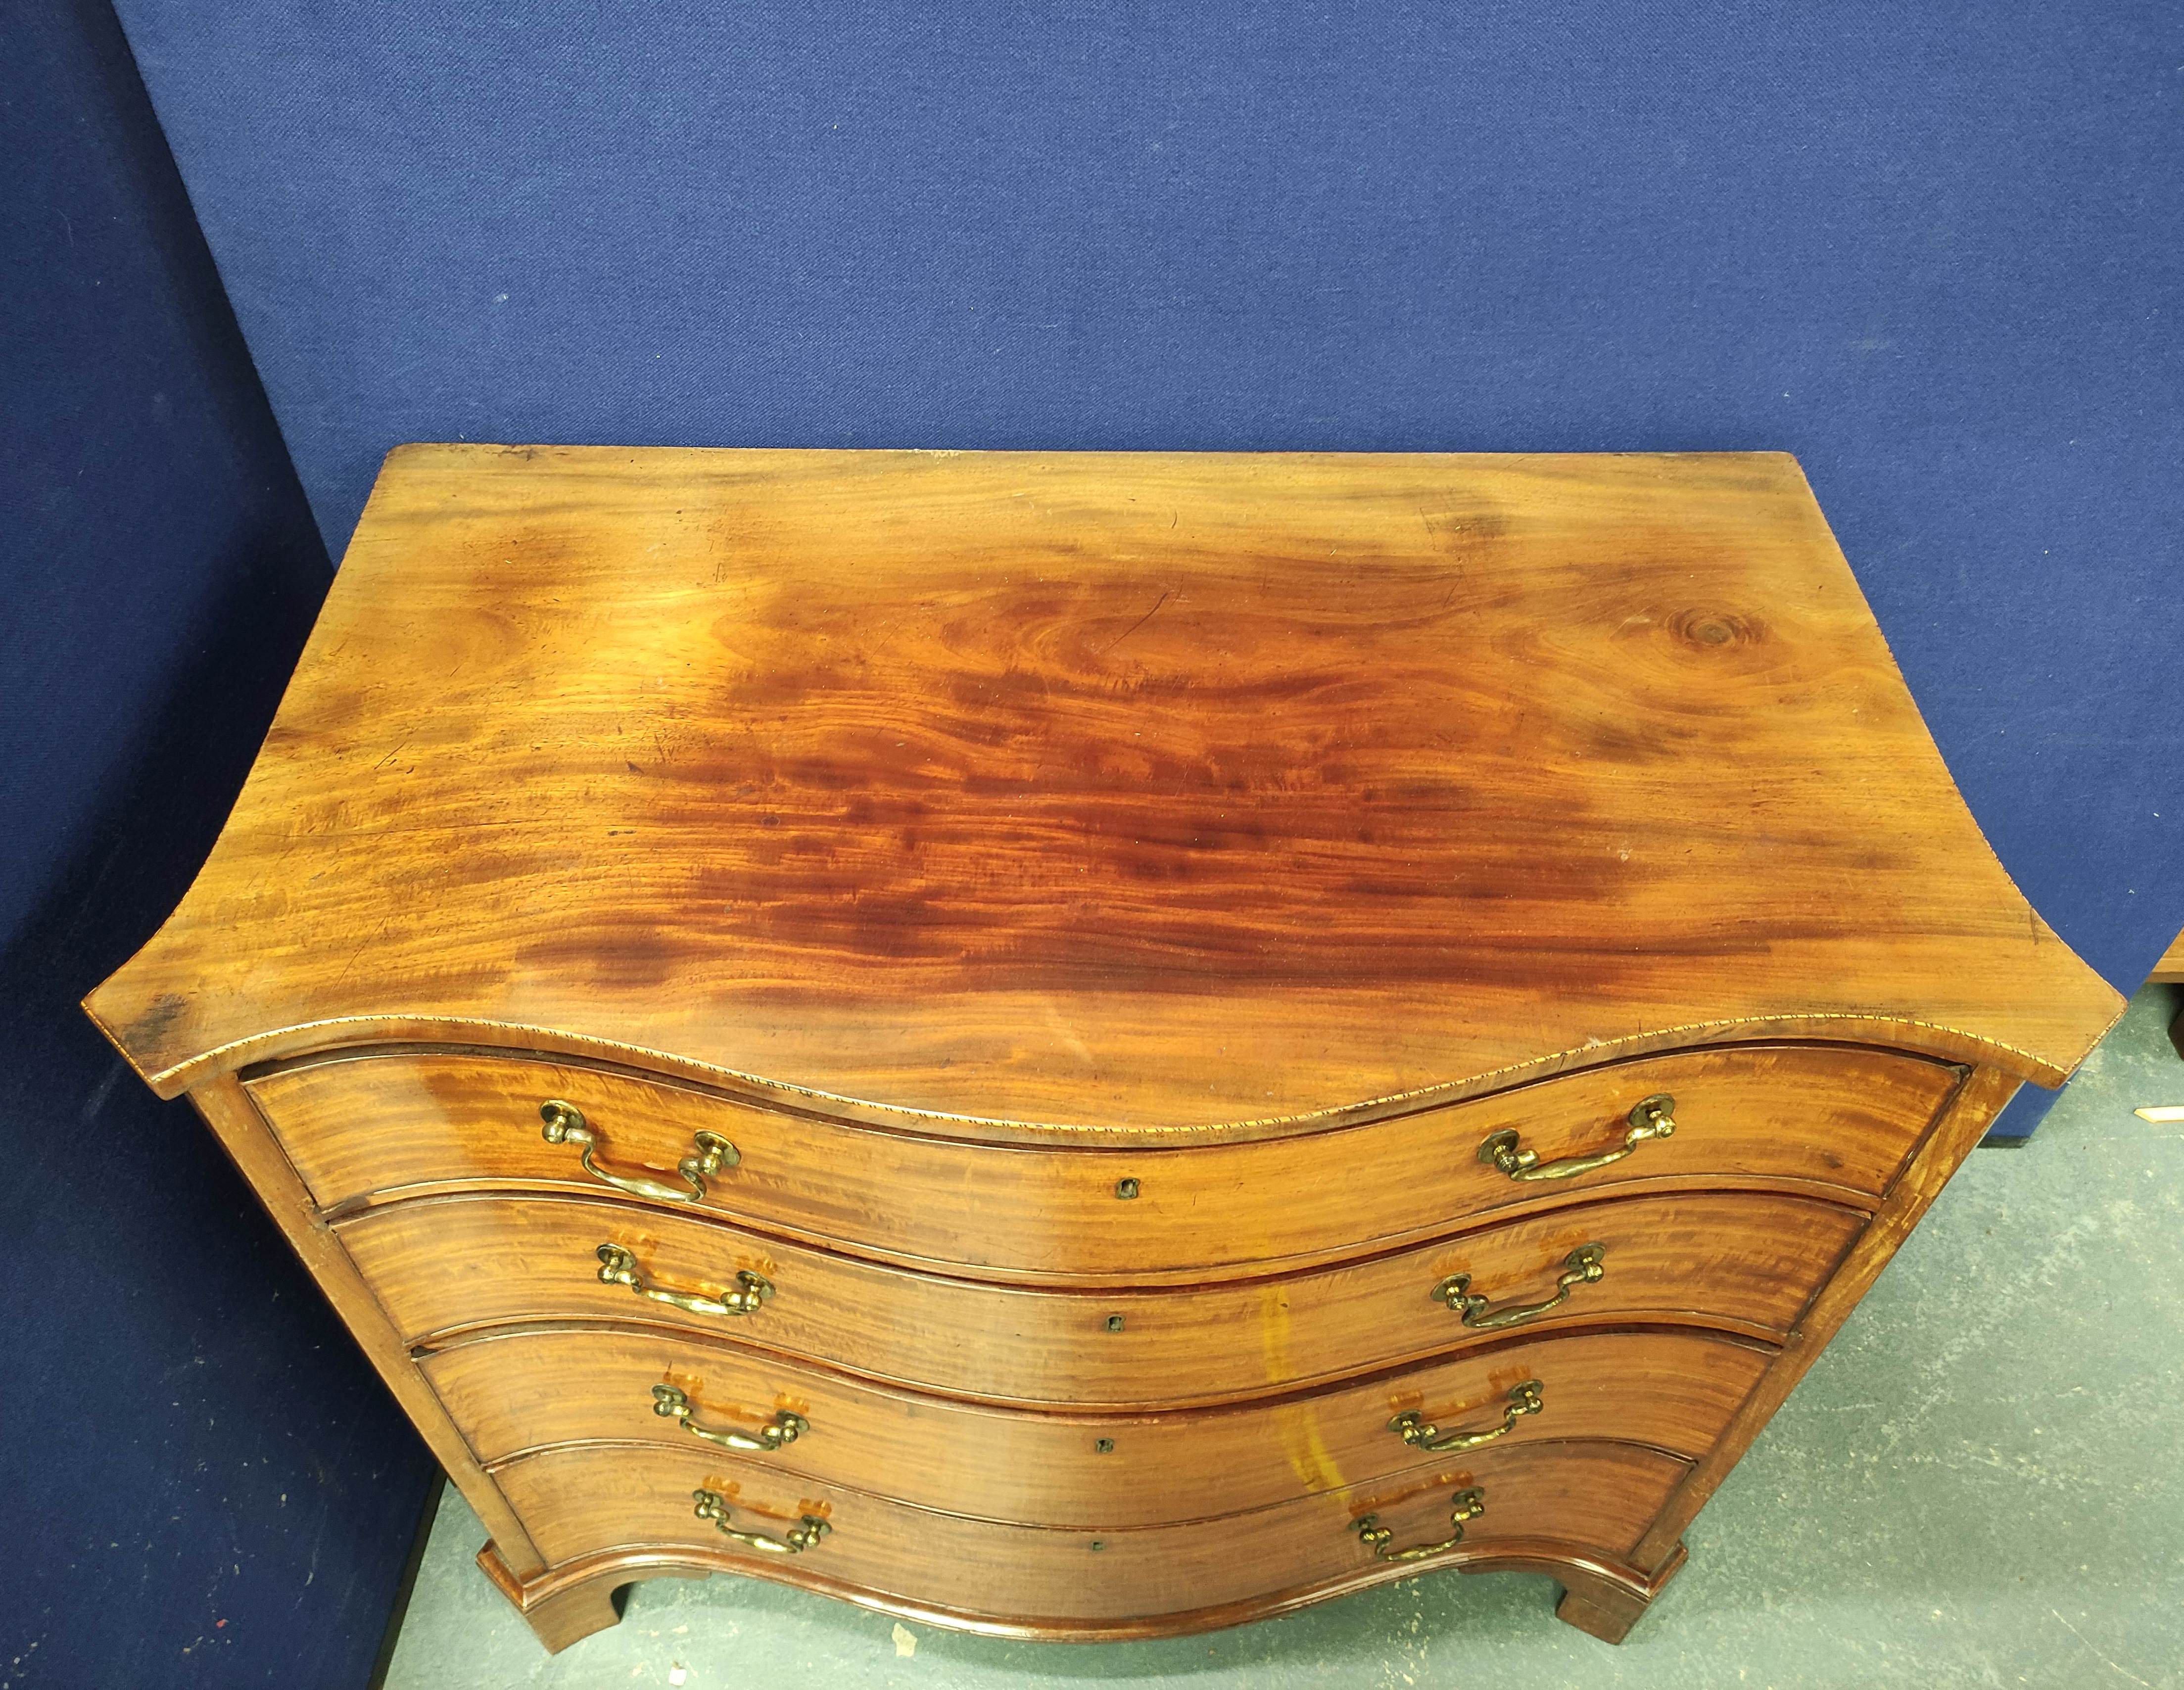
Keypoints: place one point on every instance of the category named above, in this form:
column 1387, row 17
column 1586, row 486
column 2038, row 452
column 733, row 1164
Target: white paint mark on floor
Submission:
column 2081, row 1638
column 905, row 1640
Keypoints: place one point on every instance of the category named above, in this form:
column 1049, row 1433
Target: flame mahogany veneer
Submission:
column 987, row 1034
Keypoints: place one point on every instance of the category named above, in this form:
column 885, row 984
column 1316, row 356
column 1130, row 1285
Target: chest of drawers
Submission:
column 1084, row 1046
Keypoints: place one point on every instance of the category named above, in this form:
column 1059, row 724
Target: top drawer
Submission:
column 1837, row 1120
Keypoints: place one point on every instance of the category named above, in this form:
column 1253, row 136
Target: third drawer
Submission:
column 522, row 1391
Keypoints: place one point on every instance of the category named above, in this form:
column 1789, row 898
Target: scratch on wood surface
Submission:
column 1140, row 622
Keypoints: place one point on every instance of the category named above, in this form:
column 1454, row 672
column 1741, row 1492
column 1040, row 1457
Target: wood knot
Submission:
column 1716, row 628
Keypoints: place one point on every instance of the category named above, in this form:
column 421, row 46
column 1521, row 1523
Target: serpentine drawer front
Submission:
column 530, row 1387
column 1591, row 1500
column 1089, row 1046
column 1835, row 1122
column 1736, row 1262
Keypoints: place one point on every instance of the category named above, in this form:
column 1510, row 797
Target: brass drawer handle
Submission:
column 1654, row 1118
column 1465, row 1504
column 1582, row 1266
column 1415, row 1430
column 565, row 1125
column 783, row 1428
column 713, row 1506
column 618, row 1267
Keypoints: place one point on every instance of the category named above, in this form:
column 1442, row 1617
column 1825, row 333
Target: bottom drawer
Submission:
column 576, row 1500
column 522, row 1390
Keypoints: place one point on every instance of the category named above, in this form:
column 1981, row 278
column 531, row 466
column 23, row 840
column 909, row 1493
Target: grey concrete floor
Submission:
column 1981, row 1482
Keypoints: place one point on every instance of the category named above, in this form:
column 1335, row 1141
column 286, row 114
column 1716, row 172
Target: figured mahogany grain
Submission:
column 527, row 1388
column 578, row 1499
column 1742, row 1263
column 1125, row 791
column 974, row 832
column 1836, row 1122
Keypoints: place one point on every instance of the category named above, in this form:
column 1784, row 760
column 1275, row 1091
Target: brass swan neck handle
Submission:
column 1655, row 1117
column 565, row 1123
column 1420, row 1433
column 617, row 1266
column 670, row 1403
column 713, row 1506
column 1465, row 1504
column 1582, row 1266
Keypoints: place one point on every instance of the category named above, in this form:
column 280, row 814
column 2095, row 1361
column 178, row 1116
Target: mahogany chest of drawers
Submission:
column 1088, row 1046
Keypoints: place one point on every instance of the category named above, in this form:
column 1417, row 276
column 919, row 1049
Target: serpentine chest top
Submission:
column 1090, row 1045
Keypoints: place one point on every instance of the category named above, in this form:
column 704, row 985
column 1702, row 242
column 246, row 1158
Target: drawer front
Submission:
column 1739, row 1261
column 531, row 1388
column 1839, row 1120
column 1598, row 1498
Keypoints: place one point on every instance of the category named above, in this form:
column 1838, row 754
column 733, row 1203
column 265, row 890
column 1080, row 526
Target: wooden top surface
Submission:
column 1126, row 791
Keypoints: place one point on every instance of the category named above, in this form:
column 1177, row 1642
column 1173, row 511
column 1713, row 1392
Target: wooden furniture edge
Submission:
column 362, row 1038
column 2170, row 971
column 1963, row 1121
column 568, row 1602
column 1605, row 1608
column 234, row 1120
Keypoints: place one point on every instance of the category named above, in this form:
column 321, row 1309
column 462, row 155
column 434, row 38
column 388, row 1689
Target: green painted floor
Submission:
column 1981, row 1482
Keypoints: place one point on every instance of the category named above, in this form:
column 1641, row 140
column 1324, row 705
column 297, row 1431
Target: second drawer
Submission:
column 525, row 1390
column 1739, row 1262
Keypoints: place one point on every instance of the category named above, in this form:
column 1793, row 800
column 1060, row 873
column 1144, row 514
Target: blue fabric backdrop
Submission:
column 1935, row 250
column 201, row 1481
